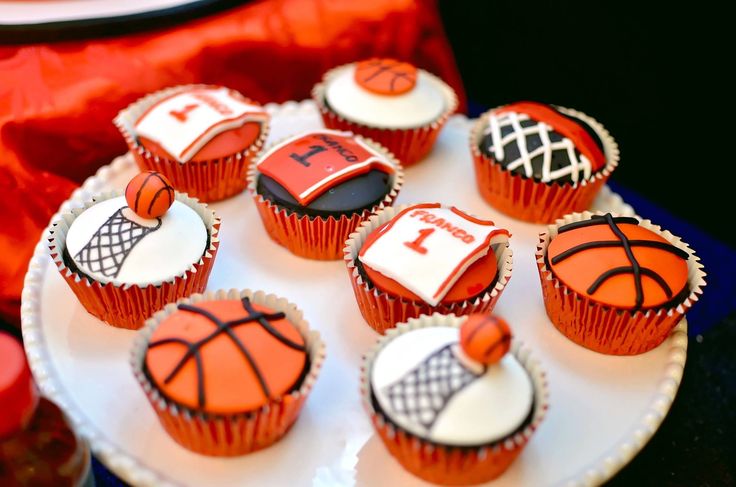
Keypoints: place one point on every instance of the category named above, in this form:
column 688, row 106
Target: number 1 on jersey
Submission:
column 416, row 245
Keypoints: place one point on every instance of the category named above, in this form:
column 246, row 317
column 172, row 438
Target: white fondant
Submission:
column 519, row 135
column 420, row 106
column 201, row 114
column 487, row 409
column 448, row 253
column 159, row 256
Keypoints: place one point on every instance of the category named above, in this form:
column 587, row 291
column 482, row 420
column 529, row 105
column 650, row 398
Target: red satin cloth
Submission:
column 57, row 100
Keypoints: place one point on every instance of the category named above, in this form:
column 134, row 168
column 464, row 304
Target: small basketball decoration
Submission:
column 149, row 194
column 485, row 338
column 618, row 263
column 386, row 76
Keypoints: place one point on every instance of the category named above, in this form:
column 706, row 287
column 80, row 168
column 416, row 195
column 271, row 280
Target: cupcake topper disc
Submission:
column 386, row 76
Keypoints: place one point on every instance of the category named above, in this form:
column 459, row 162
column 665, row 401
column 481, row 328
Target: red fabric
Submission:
column 57, row 101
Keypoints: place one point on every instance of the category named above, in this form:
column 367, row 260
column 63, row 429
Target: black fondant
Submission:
column 352, row 196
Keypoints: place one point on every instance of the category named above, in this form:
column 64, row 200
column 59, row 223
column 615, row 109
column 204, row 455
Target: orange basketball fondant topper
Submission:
column 386, row 76
column 485, row 338
column 149, row 194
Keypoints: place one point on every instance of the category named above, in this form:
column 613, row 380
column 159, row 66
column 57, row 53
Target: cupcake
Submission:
column 314, row 188
column 617, row 285
column 390, row 101
column 426, row 258
column 227, row 372
column 454, row 399
column 125, row 257
column 201, row 137
column 538, row 162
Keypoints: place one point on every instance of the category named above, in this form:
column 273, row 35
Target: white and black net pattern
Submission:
column 533, row 149
column 422, row 394
column 111, row 244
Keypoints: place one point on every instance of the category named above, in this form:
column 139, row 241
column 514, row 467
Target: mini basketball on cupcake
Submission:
column 392, row 102
column 201, row 137
column 314, row 188
column 227, row 372
column 447, row 414
column 125, row 257
column 615, row 284
column 537, row 162
column 420, row 259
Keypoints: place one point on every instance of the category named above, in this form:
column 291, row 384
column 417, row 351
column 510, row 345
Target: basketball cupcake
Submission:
column 314, row 188
column 389, row 101
column 616, row 285
column 201, row 137
column 426, row 258
column 454, row 399
column 125, row 257
column 538, row 162
column 227, row 372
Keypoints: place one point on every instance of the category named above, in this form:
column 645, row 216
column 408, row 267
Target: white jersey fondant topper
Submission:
column 426, row 248
column 185, row 122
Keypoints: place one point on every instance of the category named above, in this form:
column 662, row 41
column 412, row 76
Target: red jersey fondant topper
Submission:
column 386, row 76
column 540, row 112
column 309, row 164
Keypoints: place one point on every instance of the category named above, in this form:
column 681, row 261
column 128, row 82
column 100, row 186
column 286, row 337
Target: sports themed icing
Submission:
column 365, row 94
column 485, row 338
column 423, row 382
column 185, row 122
column 617, row 262
column 427, row 248
column 226, row 356
column 539, row 142
column 149, row 194
column 108, row 242
column 308, row 165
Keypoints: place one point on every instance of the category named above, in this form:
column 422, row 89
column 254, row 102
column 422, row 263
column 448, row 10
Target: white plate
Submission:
column 603, row 409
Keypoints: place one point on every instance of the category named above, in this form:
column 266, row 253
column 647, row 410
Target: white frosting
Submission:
column 490, row 407
column 187, row 121
column 421, row 105
column 164, row 252
column 427, row 250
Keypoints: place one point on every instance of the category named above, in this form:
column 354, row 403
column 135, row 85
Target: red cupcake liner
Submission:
column 409, row 145
column 128, row 306
column 383, row 311
column 443, row 464
column 230, row 434
column 534, row 201
column 316, row 237
column 605, row 329
column 209, row 180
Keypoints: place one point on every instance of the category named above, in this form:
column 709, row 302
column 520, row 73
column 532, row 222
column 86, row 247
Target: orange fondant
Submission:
column 149, row 194
column 474, row 280
column 222, row 145
column 485, row 338
column 386, row 76
column 584, row 143
column 231, row 385
column 578, row 272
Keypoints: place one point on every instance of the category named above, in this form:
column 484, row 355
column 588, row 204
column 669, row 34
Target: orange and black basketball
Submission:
column 149, row 194
column 619, row 263
column 485, row 338
column 386, row 76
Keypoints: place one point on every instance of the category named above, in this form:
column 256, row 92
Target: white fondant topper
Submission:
column 424, row 384
column 426, row 248
column 110, row 243
column 183, row 123
column 421, row 105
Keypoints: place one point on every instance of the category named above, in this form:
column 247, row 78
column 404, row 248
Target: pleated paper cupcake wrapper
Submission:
column 604, row 329
column 443, row 464
column 535, row 201
column 230, row 434
column 317, row 238
column 128, row 306
column 409, row 145
column 382, row 311
column 208, row 180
